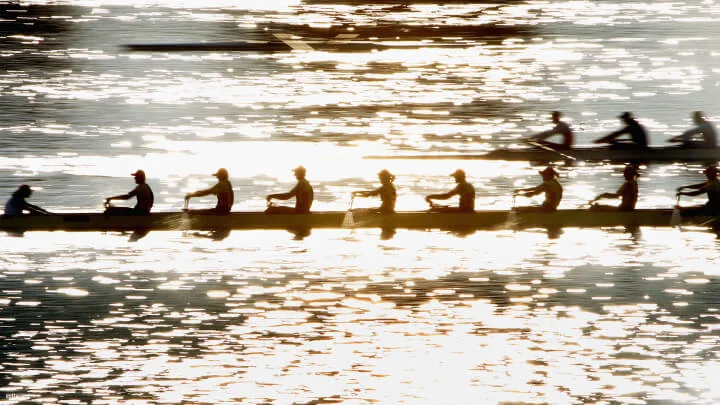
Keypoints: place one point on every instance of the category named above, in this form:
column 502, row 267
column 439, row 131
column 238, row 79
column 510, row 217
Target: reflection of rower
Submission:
column 638, row 135
column 560, row 128
column 550, row 186
column 386, row 191
column 463, row 189
column 303, row 193
column 711, row 187
column 628, row 193
column 701, row 136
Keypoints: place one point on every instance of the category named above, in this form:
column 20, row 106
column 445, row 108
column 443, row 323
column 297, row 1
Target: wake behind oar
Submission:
column 349, row 220
column 676, row 217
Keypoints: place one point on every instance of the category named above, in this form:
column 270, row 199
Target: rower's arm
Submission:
column 35, row 209
column 529, row 192
column 119, row 197
column 368, row 193
column 283, row 196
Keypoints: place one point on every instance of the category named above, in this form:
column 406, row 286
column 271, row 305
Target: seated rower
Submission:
column 17, row 204
column 550, row 186
column 560, row 128
column 638, row 135
column 141, row 192
column 463, row 189
column 628, row 193
column 702, row 136
column 711, row 187
column 386, row 191
column 303, row 193
column 222, row 189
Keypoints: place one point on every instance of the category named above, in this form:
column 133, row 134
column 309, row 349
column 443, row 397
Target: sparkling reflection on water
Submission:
column 593, row 316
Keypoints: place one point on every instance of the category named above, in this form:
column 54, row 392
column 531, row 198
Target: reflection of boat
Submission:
column 659, row 154
column 491, row 219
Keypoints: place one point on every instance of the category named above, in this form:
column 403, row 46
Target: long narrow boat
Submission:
column 654, row 154
column 491, row 219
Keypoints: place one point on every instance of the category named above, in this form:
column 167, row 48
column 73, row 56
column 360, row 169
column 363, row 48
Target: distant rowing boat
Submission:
column 655, row 154
column 491, row 219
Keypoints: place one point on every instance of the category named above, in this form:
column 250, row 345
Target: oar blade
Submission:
column 675, row 217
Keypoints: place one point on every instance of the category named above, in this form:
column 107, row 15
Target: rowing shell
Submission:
column 491, row 219
column 656, row 154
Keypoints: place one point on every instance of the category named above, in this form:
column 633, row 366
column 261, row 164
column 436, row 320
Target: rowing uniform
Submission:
column 629, row 194
column 17, row 204
column 225, row 196
column 467, row 196
column 712, row 188
column 553, row 194
column 388, row 196
column 145, row 198
column 304, row 195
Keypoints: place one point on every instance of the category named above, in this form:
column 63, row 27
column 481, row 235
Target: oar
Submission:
column 348, row 220
column 185, row 218
column 511, row 220
column 676, row 218
column 549, row 149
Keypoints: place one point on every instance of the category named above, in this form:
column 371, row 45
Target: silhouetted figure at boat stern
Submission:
column 703, row 135
column 143, row 194
column 561, row 128
column 17, row 204
column 550, row 186
column 222, row 190
column 628, row 193
column 386, row 192
column 302, row 192
column 463, row 189
column 711, row 187
column 638, row 135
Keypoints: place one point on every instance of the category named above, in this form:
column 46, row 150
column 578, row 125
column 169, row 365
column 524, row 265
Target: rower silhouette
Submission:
column 222, row 190
column 303, row 193
column 703, row 135
column 550, row 186
column 463, row 189
column 628, row 193
column 17, row 204
column 561, row 128
column 386, row 191
column 638, row 135
column 142, row 192
column 711, row 187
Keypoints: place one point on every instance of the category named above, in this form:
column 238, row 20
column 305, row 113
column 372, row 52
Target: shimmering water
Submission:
column 584, row 316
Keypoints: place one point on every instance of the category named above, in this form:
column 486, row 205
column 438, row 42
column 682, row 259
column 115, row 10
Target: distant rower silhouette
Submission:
column 638, row 135
column 141, row 192
column 703, row 135
column 560, row 128
column 386, row 191
column 463, row 189
column 550, row 186
column 17, row 204
column 303, row 193
column 222, row 189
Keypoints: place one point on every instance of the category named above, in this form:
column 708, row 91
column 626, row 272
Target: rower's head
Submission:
column 556, row 116
column 459, row 175
column 549, row 173
column 711, row 172
column 626, row 117
column 221, row 174
column 23, row 191
column 385, row 176
column 630, row 172
column 139, row 176
column 698, row 117
column 300, row 172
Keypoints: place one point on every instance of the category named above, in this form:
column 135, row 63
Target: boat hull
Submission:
column 492, row 219
column 659, row 154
